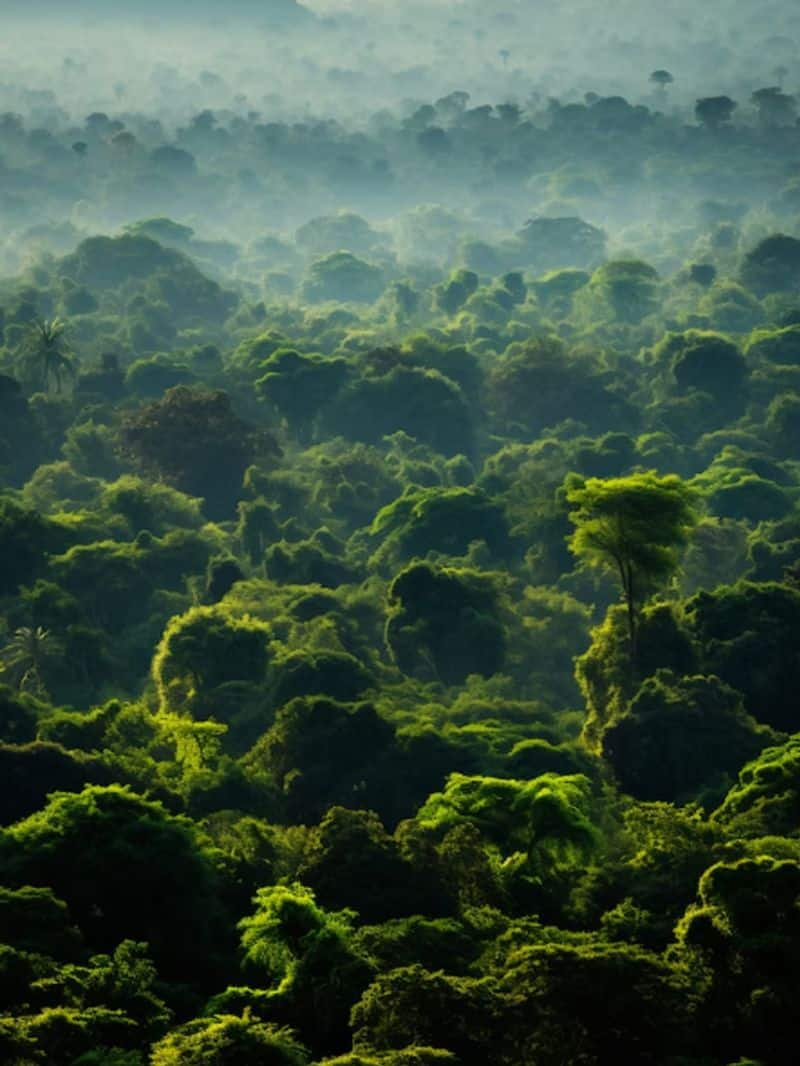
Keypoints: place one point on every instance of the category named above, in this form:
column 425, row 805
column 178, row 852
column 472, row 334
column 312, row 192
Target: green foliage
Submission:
column 773, row 265
column 298, row 386
column 32, row 771
column 322, row 736
column 25, row 537
column 626, row 287
column 286, row 923
column 766, row 799
column 679, row 737
column 422, row 403
column 445, row 521
column 744, row 930
column 550, row 812
column 46, row 357
column 410, row 1056
column 344, row 277
column 117, row 861
column 320, row 753
column 635, row 527
column 351, row 861
column 410, row 1005
column 203, row 649
column 224, row 1040
column 606, row 673
column 37, row 922
column 195, row 440
column 744, row 631
column 538, row 384
column 298, row 949
column 454, row 293
column 445, row 624
column 708, row 362
column 781, row 346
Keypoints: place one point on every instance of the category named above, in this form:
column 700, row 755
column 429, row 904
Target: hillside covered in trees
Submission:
column 400, row 556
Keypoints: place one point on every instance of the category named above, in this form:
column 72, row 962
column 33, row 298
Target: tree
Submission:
column 299, row 385
column 544, row 823
column 321, row 752
column 765, row 801
column 454, row 293
column 422, row 403
column 305, row 954
column 407, row 1056
column 206, row 648
column 410, row 1006
column 127, row 870
column 34, row 920
column 25, row 657
column 444, row 624
column 745, row 633
column 18, row 715
column 773, row 265
column 332, row 233
column 775, row 108
column 634, row 526
column 780, row 346
column 714, row 111
column 710, row 363
column 643, row 1015
column 352, row 861
column 345, row 278
column 538, row 383
column 661, row 78
column 228, row 1040
column 606, row 674
column 703, row 274
column 194, row 439
column 441, row 520
column 783, row 424
column 550, row 243
column 337, row 674
column 257, row 527
column 17, row 424
column 31, row 772
column 746, row 930
column 46, row 352
column 679, row 736
column 627, row 287
column 26, row 536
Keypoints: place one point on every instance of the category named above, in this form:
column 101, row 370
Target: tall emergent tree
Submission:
column 634, row 526
column 46, row 353
column 24, row 657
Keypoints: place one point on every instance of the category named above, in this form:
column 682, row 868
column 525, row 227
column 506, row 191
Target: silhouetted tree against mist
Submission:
column 775, row 108
column 661, row 79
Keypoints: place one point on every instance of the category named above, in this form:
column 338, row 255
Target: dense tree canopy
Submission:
column 399, row 534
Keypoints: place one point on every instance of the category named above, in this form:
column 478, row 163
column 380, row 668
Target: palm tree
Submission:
column 47, row 352
column 25, row 655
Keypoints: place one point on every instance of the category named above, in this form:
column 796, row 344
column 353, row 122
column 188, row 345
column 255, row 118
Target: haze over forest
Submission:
column 399, row 533
column 356, row 68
